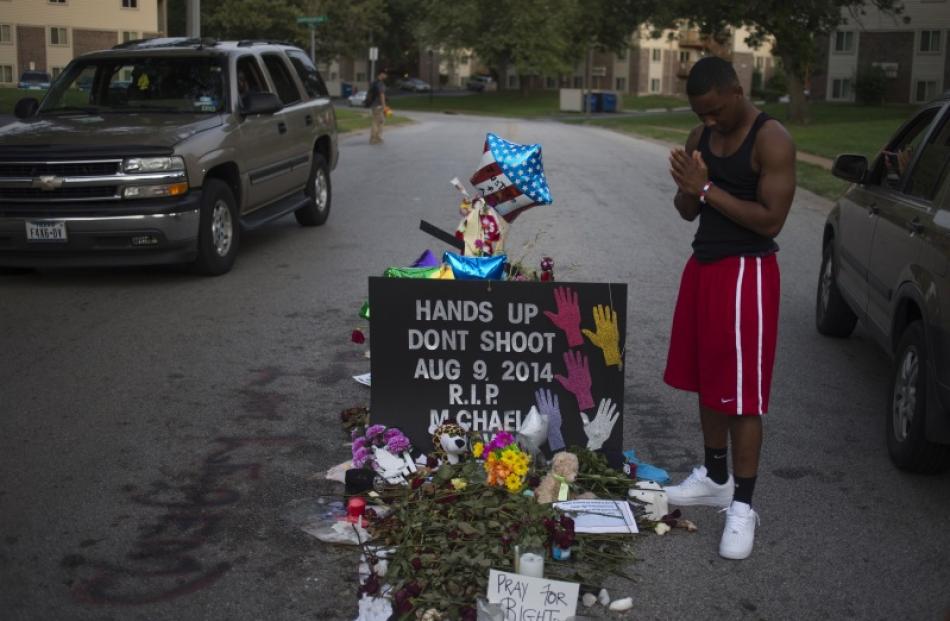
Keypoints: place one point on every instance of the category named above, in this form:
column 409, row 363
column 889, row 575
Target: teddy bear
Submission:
column 450, row 441
column 564, row 467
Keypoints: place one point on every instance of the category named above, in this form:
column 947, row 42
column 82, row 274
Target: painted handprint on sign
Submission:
column 607, row 334
column 599, row 429
column 578, row 378
column 568, row 315
column 549, row 407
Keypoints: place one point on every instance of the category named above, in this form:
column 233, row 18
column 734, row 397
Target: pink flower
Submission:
column 374, row 430
column 359, row 443
column 361, row 456
column 398, row 444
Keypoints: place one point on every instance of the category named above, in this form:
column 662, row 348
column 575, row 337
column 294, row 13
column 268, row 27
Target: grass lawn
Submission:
column 513, row 104
column 9, row 97
column 348, row 119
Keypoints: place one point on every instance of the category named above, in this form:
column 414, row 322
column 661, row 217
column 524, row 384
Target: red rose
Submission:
column 358, row 337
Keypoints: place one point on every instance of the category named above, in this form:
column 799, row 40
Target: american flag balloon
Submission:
column 511, row 177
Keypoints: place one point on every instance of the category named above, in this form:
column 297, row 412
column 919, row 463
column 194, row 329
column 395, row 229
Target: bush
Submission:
column 870, row 86
column 777, row 83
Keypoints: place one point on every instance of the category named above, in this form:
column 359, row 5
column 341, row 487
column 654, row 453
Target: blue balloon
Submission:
column 476, row 268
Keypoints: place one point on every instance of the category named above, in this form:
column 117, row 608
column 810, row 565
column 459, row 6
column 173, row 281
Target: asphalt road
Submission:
column 144, row 405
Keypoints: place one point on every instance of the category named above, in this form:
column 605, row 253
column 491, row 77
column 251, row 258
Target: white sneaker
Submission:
column 699, row 489
column 739, row 533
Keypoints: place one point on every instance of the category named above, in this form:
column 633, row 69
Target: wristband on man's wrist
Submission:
column 704, row 191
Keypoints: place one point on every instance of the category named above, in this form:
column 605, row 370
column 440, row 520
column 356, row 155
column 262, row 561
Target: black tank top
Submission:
column 718, row 236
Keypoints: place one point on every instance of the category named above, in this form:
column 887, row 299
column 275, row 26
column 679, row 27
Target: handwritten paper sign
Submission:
column 523, row 598
column 478, row 353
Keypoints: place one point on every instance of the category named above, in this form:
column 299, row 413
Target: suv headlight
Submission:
column 152, row 164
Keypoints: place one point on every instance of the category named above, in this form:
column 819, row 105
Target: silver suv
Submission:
column 164, row 151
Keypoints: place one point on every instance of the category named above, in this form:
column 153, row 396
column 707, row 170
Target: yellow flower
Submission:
column 459, row 483
column 520, row 469
column 478, row 449
column 513, row 482
column 509, row 459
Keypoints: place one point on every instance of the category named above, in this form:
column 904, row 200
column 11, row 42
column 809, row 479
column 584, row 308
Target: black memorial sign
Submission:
column 477, row 352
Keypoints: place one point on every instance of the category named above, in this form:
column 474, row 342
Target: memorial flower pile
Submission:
column 506, row 464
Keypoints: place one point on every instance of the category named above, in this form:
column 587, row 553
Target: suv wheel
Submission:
column 906, row 414
column 833, row 316
column 219, row 229
column 317, row 209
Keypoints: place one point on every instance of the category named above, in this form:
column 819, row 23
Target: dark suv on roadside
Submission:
column 164, row 151
column 886, row 261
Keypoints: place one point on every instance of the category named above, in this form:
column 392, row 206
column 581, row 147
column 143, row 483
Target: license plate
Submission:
column 46, row 231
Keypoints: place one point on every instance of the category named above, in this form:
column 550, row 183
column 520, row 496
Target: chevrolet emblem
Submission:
column 47, row 183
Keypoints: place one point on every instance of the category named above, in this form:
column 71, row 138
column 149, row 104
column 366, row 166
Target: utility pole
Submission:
column 193, row 19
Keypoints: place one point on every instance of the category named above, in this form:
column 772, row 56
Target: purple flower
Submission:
column 359, row 443
column 398, row 444
column 361, row 456
column 375, row 430
column 391, row 433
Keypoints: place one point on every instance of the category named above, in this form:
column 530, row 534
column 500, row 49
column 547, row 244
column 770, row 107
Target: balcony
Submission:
column 692, row 38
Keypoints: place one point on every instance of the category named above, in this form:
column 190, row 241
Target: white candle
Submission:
column 531, row 564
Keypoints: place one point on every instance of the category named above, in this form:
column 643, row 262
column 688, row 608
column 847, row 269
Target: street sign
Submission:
column 311, row 20
column 374, row 53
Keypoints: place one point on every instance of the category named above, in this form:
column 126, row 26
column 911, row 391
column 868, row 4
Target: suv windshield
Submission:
column 154, row 84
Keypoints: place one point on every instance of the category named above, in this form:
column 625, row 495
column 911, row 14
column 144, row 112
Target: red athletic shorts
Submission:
column 724, row 329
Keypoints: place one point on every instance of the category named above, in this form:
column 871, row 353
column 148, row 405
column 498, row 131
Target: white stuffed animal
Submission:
column 653, row 496
column 393, row 468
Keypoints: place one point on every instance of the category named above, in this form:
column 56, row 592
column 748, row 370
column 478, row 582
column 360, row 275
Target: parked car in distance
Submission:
column 481, row 83
column 415, row 85
column 34, row 81
column 165, row 151
column 357, row 99
column 886, row 262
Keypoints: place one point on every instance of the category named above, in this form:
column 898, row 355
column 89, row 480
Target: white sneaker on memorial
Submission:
column 699, row 489
column 739, row 533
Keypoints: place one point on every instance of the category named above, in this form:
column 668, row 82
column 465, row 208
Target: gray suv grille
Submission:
column 60, row 169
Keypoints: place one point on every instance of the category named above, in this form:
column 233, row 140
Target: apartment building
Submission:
column 46, row 34
column 651, row 65
column 912, row 49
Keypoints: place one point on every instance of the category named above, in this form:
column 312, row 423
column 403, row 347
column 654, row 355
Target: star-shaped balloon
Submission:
column 511, row 177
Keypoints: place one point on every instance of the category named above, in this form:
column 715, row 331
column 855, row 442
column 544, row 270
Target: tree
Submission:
column 794, row 27
column 536, row 37
column 250, row 19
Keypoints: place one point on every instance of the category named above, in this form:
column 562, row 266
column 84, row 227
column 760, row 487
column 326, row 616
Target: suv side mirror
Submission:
column 26, row 107
column 260, row 103
column 853, row 168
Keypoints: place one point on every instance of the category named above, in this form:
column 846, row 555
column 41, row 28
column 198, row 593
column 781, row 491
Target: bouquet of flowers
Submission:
column 506, row 463
column 391, row 439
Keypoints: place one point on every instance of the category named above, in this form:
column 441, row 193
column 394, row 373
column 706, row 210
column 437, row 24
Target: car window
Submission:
column 897, row 157
column 250, row 78
column 931, row 165
column 312, row 81
column 283, row 82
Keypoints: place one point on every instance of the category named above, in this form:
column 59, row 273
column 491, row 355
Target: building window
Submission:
column 129, row 35
column 760, row 62
column 55, row 71
column 684, row 56
column 130, row 4
column 6, row 34
column 655, row 85
column 57, row 1
column 6, row 74
column 656, row 55
column 621, row 84
column 841, row 88
column 578, row 81
column 926, row 90
column 622, row 54
column 929, row 41
column 57, row 36
column 844, row 41
column 360, row 76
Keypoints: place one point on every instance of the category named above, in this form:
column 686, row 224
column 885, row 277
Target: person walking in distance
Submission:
column 737, row 174
column 376, row 102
